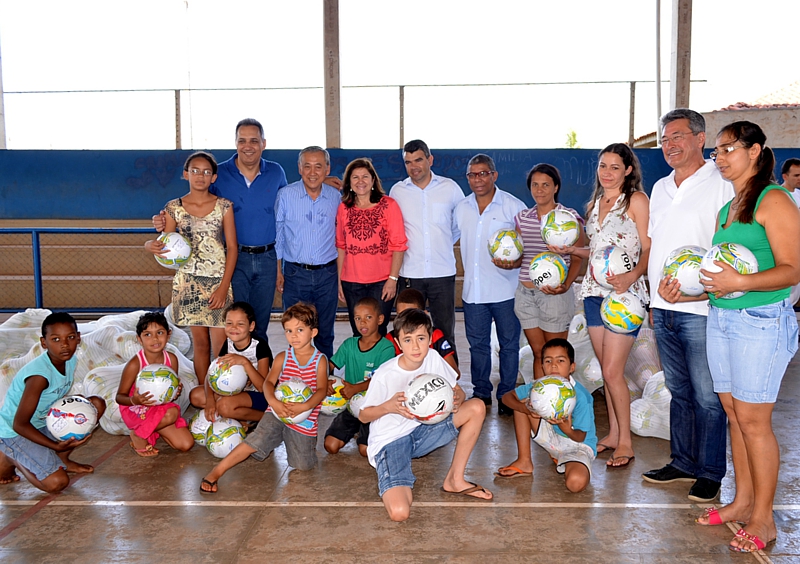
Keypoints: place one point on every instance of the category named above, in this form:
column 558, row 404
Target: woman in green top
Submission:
column 752, row 338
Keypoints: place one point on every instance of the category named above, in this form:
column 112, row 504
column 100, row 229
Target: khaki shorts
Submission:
column 563, row 449
column 550, row 313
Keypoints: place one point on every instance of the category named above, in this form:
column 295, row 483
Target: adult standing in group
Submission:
column 617, row 214
column 683, row 208
column 790, row 173
column 305, row 221
column 489, row 284
column 752, row 337
column 427, row 202
column 370, row 240
column 251, row 183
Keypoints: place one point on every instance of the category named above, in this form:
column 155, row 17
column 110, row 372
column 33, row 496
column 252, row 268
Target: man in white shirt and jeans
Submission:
column 427, row 202
column 489, row 285
column 683, row 211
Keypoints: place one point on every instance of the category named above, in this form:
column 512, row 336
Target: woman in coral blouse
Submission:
column 371, row 240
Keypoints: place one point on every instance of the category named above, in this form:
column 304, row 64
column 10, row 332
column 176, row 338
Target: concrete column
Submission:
column 2, row 109
column 333, row 113
column 680, row 71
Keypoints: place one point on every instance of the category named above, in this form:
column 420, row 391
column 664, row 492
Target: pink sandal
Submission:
column 712, row 514
column 741, row 534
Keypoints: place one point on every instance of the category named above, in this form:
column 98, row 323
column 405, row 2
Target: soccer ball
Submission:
column 505, row 244
column 177, row 250
column 429, row 398
column 736, row 255
column 548, row 269
column 160, row 380
column 622, row 313
column 224, row 435
column 293, row 390
column 683, row 264
column 198, row 425
column 226, row 379
column 71, row 417
column 552, row 397
column 335, row 404
column 609, row 260
column 354, row 405
column 560, row 228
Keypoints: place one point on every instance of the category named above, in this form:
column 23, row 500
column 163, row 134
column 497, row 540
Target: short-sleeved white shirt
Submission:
column 684, row 215
column 430, row 227
column 387, row 380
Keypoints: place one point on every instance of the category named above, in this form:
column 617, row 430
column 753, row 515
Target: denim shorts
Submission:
column 749, row 349
column 591, row 310
column 393, row 462
column 39, row 460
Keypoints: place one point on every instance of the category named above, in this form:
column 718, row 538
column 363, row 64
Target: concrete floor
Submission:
column 149, row 510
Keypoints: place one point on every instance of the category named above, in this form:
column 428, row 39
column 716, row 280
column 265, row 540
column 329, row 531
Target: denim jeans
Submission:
column 440, row 293
column 318, row 287
column 353, row 292
column 698, row 424
column 254, row 282
column 478, row 326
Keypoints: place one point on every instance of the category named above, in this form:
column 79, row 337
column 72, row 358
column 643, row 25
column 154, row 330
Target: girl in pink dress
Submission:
column 144, row 419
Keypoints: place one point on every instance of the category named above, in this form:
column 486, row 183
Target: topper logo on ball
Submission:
column 422, row 393
column 541, row 278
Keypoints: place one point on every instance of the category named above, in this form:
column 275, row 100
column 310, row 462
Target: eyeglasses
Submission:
column 677, row 138
column 724, row 151
column 197, row 172
column 481, row 174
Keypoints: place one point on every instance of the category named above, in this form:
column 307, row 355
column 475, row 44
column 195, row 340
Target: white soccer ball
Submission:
column 226, row 379
column 160, row 380
column 560, row 228
column 738, row 256
column 552, row 397
column 198, row 425
column 355, row 403
column 293, row 390
column 548, row 269
column 622, row 313
column 224, row 435
column 71, row 417
column 177, row 250
column 335, row 404
column 609, row 260
column 683, row 264
column 505, row 244
column 429, row 398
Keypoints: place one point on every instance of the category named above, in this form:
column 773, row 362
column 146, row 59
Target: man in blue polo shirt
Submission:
column 305, row 219
column 252, row 184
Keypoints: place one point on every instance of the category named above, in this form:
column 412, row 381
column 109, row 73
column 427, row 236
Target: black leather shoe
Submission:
column 704, row 490
column 503, row 409
column 667, row 475
column 486, row 401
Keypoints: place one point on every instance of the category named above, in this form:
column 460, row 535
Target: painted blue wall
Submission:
column 136, row 184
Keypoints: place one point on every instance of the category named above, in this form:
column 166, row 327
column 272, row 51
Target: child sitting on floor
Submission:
column 25, row 442
column 359, row 356
column 570, row 442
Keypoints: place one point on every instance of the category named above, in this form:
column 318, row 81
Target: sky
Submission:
column 149, row 48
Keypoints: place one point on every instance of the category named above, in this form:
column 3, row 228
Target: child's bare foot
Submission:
column 9, row 477
column 79, row 468
column 462, row 487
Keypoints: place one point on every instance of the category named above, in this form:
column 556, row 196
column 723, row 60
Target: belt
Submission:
column 313, row 266
column 256, row 250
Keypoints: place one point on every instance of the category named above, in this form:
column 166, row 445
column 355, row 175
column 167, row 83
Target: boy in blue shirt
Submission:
column 25, row 442
column 570, row 442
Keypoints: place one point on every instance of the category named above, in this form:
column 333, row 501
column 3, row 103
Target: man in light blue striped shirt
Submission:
column 305, row 242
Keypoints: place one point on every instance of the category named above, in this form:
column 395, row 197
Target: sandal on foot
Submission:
column 628, row 460
column 601, row 448
column 741, row 534
column 212, row 487
column 470, row 490
column 516, row 472
column 147, row 452
column 712, row 516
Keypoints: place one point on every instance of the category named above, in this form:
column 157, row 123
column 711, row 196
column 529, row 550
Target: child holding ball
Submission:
column 240, row 348
column 143, row 418
column 570, row 442
column 201, row 288
column 25, row 442
column 301, row 360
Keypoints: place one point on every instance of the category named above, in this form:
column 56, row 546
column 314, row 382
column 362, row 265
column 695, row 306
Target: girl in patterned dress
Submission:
column 617, row 214
column 201, row 289
column 145, row 420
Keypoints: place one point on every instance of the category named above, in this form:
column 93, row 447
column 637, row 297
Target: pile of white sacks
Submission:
column 106, row 345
